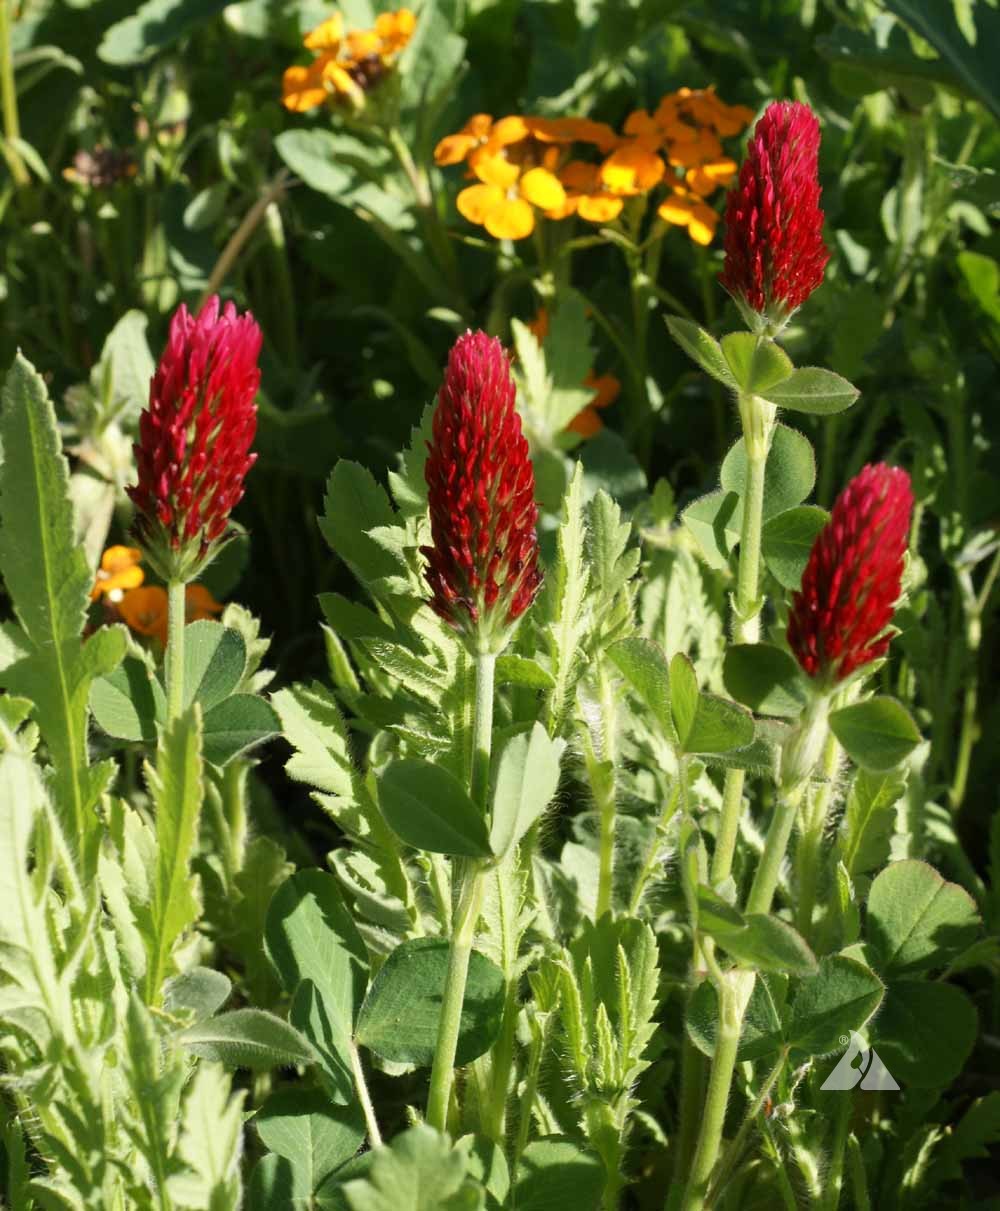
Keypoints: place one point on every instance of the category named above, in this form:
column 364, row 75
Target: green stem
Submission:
column 734, row 1151
column 734, row 992
column 859, row 1180
column 833, row 1175
column 8, row 97
column 174, row 659
column 729, row 825
column 469, row 880
column 808, row 855
column 765, row 881
column 237, row 241
column 654, row 849
column 374, row 1135
column 692, row 1093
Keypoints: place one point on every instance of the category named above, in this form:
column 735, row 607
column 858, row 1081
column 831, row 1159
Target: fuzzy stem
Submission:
column 174, row 659
column 374, row 1135
column 833, row 1176
column 729, row 825
column 603, row 787
column 469, row 885
column 810, row 849
column 8, row 94
column 734, row 993
column 765, row 881
column 733, row 1153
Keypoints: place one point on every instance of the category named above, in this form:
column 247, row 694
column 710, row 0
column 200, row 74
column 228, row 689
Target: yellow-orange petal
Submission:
column 542, row 189
column 699, row 182
column 631, row 169
column 675, row 210
column 493, row 168
column 302, row 88
column 586, row 423
column 731, row 119
column 453, row 149
column 475, row 202
column 599, row 207
column 339, row 78
column 566, row 210
column 511, row 129
column 512, row 219
column 703, row 223
column 578, row 175
column 395, row 29
column 363, row 42
column 691, row 155
column 118, row 572
column 145, row 611
column 645, row 129
column 327, row 35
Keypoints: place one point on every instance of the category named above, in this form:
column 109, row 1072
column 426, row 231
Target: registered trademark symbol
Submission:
column 844, row 1040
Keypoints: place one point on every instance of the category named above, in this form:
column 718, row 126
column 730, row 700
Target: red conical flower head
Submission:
column 193, row 451
column 482, row 568
column 775, row 255
column 852, row 580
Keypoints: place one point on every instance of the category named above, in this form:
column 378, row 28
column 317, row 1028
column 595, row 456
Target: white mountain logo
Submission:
column 870, row 1072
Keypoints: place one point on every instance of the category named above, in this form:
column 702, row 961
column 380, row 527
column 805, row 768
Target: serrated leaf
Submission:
column 210, row 1144
column 565, row 601
column 526, row 776
column 702, row 348
column 408, row 486
column 553, row 371
column 400, row 1017
column 248, row 1038
column 876, row 734
column 354, row 505
column 46, row 574
column 176, row 788
column 813, row 389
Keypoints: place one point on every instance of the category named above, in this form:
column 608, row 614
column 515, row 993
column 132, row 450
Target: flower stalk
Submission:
column 174, row 655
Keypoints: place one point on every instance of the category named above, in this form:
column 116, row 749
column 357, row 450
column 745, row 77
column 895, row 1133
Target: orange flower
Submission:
column 145, row 610
column 644, row 129
column 510, row 185
column 573, row 130
column 346, row 64
column 631, row 169
column 119, row 571
column 688, row 210
column 707, row 177
column 453, row 149
column 585, row 195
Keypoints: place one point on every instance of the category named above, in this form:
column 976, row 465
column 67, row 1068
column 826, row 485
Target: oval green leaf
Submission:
column 428, row 808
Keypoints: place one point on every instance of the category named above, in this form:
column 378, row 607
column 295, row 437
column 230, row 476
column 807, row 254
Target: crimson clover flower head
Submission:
column 839, row 616
column 482, row 564
column 775, row 255
column 193, row 451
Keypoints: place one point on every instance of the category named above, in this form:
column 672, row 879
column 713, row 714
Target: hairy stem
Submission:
column 734, row 992
column 8, row 97
column 808, row 856
column 174, row 659
column 765, row 881
column 364, row 1097
column 468, row 887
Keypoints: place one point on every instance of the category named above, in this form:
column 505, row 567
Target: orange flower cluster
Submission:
column 523, row 165
column 347, row 65
column 143, row 608
column 606, row 387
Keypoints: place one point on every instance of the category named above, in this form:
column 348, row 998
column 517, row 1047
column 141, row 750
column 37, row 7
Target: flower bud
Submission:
column 482, row 566
column 775, row 255
column 839, row 616
column 193, row 451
